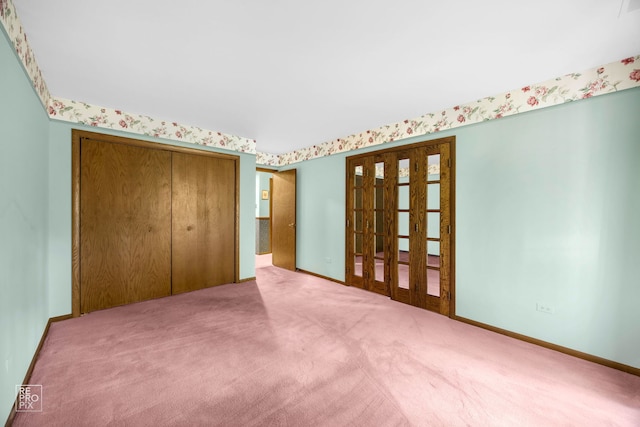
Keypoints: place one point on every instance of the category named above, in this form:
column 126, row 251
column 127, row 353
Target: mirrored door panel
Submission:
column 356, row 223
column 380, row 257
column 403, row 227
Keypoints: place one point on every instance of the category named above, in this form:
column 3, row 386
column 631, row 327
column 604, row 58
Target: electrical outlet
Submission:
column 545, row 308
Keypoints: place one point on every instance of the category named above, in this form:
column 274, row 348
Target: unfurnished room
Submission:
column 336, row 213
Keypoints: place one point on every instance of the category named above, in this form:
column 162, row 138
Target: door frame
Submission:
column 450, row 141
column 76, row 138
column 271, row 171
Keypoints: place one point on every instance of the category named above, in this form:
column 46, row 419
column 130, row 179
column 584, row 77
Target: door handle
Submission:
column 293, row 224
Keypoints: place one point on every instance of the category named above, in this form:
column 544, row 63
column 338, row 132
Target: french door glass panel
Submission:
column 400, row 210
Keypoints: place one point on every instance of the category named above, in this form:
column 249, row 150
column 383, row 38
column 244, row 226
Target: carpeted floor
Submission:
column 294, row 350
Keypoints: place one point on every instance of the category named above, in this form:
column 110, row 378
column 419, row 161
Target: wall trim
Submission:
column 18, row 38
column 248, row 279
column 110, row 118
column 612, row 77
column 575, row 353
column 27, row 376
column 93, row 115
column 615, row 76
column 331, row 279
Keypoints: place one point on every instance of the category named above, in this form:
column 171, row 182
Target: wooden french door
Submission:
column 366, row 225
column 283, row 219
column 399, row 224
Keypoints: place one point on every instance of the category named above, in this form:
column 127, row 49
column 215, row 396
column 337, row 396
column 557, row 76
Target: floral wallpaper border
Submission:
column 620, row 75
column 433, row 169
column 83, row 113
column 17, row 36
column 109, row 118
column 616, row 76
column 267, row 159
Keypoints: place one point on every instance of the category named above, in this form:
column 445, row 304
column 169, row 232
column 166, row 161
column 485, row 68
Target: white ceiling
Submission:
column 294, row 73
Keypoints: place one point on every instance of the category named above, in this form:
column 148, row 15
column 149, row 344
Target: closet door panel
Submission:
column 125, row 224
column 203, row 222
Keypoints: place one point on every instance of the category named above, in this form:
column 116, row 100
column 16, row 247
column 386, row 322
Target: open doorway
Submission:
column 276, row 218
column 264, row 193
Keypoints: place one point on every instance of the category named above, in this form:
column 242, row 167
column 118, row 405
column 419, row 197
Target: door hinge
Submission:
column 449, row 162
column 415, row 166
column 415, row 227
column 448, row 229
column 347, row 223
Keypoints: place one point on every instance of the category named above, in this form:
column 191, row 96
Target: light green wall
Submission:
column 60, row 209
column 547, row 212
column 24, row 146
column 262, row 183
column 547, row 208
column 35, row 219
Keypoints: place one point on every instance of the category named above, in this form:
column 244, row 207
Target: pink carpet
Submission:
column 295, row 350
column 433, row 276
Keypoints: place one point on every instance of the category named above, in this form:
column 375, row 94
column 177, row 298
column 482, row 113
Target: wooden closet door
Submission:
column 203, row 224
column 125, row 224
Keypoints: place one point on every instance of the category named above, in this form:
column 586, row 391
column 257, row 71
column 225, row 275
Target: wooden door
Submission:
column 423, row 228
column 203, row 221
column 125, row 224
column 438, row 265
column 357, row 262
column 367, row 262
column 400, row 229
column 283, row 220
column 399, row 223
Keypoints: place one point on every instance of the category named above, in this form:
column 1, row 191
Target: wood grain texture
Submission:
column 203, row 222
column 368, row 243
column 283, row 217
column 75, row 223
column 125, row 224
column 452, row 221
column 418, row 227
column 354, row 276
column 417, row 209
column 77, row 137
column 390, row 220
column 445, row 235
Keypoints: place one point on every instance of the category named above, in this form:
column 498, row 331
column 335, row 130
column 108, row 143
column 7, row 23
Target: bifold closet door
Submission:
column 125, row 224
column 203, row 222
